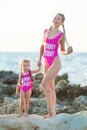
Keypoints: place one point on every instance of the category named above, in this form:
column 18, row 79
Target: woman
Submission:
column 52, row 39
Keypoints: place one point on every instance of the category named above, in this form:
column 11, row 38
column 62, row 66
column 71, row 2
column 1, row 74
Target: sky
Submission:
column 22, row 23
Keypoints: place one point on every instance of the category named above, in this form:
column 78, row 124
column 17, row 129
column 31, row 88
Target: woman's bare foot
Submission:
column 47, row 115
column 52, row 115
column 52, row 112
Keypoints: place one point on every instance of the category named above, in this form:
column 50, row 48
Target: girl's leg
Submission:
column 48, row 78
column 27, row 101
column 21, row 106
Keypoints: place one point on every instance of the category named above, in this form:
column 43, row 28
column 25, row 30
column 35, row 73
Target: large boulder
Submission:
column 62, row 121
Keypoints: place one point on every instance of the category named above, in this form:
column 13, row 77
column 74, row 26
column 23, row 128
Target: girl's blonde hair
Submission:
column 21, row 63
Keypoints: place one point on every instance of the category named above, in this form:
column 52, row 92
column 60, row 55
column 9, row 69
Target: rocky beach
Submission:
column 71, row 105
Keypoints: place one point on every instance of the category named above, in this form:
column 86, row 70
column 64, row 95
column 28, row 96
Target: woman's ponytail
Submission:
column 65, row 35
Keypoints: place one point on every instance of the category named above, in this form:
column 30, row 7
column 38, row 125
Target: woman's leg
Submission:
column 47, row 86
column 52, row 86
column 48, row 109
column 53, row 107
column 21, row 106
column 27, row 101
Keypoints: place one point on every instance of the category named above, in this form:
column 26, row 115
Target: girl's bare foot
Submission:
column 20, row 115
column 26, row 114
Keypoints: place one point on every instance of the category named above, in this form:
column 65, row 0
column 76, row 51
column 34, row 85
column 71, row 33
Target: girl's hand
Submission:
column 39, row 67
column 39, row 63
column 17, row 91
column 70, row 50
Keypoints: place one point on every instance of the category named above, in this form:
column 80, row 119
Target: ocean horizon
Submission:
column 74, row 64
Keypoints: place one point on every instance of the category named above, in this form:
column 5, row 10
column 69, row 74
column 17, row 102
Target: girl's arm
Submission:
column 18, row 85
column 62, row 47
column 17, row 90
column 37, row 70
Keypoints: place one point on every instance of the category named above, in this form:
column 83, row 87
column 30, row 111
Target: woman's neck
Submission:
column 55, row 28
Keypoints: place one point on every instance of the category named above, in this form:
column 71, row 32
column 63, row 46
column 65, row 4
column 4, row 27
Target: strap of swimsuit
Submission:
column 31, row 75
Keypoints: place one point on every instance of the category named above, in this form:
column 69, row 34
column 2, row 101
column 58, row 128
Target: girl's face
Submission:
column 26, row 66
column 57, row 21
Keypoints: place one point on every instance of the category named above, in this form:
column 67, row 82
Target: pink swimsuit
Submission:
column 26, row 82
column 51, row 48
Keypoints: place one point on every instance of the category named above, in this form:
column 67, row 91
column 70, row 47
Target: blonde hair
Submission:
column 65, row 35
column 63, row 27
column 21, row 63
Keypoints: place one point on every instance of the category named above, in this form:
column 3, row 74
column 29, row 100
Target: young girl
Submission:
column 25, row 85
column 53, row 38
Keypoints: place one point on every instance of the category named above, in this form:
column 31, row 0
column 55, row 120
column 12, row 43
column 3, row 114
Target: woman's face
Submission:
column 57, row 21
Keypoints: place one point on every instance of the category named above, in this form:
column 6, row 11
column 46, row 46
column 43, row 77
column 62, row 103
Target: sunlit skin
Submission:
column 25, row 97
column 51, row 72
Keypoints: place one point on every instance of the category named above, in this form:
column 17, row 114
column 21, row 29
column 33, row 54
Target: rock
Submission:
column 61, row 77
column 62, row 121
column 8, row 100
column 8, row 77
column 81, row 100
column 11, row 106
column 69, row 97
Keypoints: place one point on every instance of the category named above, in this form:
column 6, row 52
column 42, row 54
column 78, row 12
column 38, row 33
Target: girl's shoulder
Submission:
column 24, row 74
column 30, row 72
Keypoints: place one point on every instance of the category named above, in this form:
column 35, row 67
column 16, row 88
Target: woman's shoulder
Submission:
column 61, row 35
column 45, row 30
column 61, row 32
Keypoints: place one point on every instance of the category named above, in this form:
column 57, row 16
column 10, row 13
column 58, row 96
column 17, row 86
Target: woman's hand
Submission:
column 70, row 50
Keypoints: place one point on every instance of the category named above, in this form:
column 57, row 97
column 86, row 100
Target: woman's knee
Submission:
column 45, row 84
column 60, row 67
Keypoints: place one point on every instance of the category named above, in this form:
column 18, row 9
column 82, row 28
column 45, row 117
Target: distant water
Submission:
column 74, row 64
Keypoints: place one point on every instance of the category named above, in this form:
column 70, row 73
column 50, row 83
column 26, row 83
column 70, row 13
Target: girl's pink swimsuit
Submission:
column 51, row 48
column 26, row 82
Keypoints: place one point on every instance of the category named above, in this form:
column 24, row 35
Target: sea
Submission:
column 75, row 64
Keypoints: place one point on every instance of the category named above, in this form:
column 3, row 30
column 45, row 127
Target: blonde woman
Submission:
column 52, row 39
